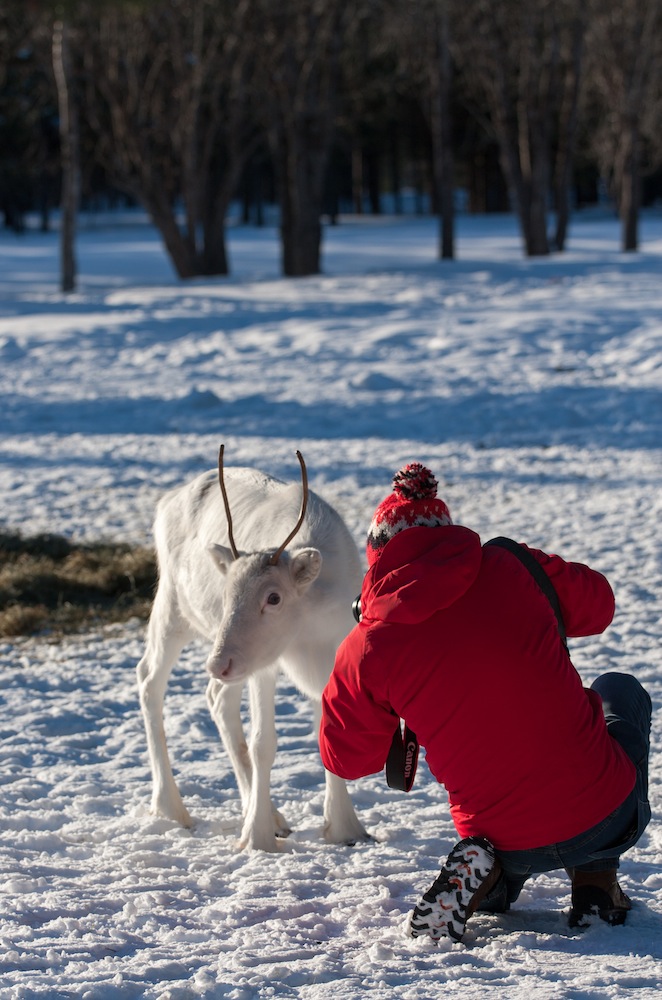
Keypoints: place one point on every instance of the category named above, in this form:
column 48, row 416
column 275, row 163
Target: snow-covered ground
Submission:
column 533, row 388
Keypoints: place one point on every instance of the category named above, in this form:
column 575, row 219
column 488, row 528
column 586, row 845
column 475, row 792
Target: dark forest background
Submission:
column 184, row 107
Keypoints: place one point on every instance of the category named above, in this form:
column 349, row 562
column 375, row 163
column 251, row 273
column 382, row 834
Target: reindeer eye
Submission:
column 273, row 598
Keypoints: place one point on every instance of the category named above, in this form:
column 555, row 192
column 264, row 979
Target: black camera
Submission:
column 356, row 608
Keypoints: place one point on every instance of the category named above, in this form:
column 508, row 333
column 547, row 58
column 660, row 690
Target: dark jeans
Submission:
column 627, row 709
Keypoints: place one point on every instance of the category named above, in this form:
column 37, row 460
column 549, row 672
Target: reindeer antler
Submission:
column 304, row 503
column 228, row 514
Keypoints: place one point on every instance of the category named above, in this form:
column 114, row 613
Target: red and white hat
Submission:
column 412, row 504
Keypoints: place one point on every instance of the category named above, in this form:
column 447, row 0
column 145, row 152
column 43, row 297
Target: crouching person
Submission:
column 465, row 643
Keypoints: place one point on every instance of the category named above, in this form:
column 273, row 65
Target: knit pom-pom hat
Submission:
column 413, row 503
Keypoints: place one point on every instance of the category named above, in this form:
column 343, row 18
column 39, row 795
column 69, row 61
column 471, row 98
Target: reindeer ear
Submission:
column 221, row 555
column 305, row 566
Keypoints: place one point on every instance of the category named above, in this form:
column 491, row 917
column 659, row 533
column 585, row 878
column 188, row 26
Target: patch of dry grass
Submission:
column 49, row 584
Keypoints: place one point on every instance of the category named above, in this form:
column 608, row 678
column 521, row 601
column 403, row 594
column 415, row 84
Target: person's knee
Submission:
column 615, row 684
column 623, row 697
column 632, row 739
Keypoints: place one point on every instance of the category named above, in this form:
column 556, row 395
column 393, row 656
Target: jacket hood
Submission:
column 419, row 572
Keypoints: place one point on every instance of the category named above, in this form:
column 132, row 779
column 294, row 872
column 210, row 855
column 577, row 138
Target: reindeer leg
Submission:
column 224, row 701
column 308, row 666
column 261, row 817
column 341, row 824
column 167, row 635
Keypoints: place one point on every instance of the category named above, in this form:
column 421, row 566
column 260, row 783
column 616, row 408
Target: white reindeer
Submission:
column 262, row 608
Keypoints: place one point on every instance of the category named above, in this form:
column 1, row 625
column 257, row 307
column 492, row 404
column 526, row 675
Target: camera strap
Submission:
column 403, row 756
column 538, row 574
column 402, row 759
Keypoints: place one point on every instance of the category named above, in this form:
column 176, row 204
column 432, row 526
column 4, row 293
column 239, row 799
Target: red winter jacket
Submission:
column 460, row 642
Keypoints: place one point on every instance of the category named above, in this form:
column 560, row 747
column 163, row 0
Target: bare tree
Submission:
column 168, row 86
column 625, row 52
column 301, row 43
column 7, row 31
column 421, row 32
column 521, row 59
column 572, row 77
column 29, row 144
column 368, row 101
column 69, row 153
column 13, row 33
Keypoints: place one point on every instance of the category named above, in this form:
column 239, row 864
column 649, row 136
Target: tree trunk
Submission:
column 68, row 156
column 170, row 87
column 538, row 244
column 629, row 189
column 214, row 256
column 568, row 121
column 178, row 248
column 513, row 55
column 442, row 135
column 624, row 49
column 394, row 165
column 301, row 235
column 373, row 177
column 524, row 164
column 562, row 210
column 357, row 179
column 533, row 114
column 301, row 80
column 517, row 194
column 301, row 208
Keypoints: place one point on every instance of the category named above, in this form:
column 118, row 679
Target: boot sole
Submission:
column 444, row 909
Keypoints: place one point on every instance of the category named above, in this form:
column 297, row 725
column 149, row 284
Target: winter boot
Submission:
column 597, row 893
column 466, row 878
column 496, row 898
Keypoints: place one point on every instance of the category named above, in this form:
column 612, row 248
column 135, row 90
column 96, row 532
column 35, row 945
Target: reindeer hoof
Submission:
column 179, row 814
column 365, row 838
column 253, row 844
column 348, row 839
column 281, row 826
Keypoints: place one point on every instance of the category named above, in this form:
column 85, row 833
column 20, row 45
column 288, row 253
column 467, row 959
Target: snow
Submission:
column 533, row 390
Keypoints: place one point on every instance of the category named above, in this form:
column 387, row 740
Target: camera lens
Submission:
column 356, row 608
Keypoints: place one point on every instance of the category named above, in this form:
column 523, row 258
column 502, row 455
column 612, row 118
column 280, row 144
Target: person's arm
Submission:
column 586, row 598
column 355, row 731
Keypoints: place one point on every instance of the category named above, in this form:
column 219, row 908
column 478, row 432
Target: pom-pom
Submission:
column 415, row 482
